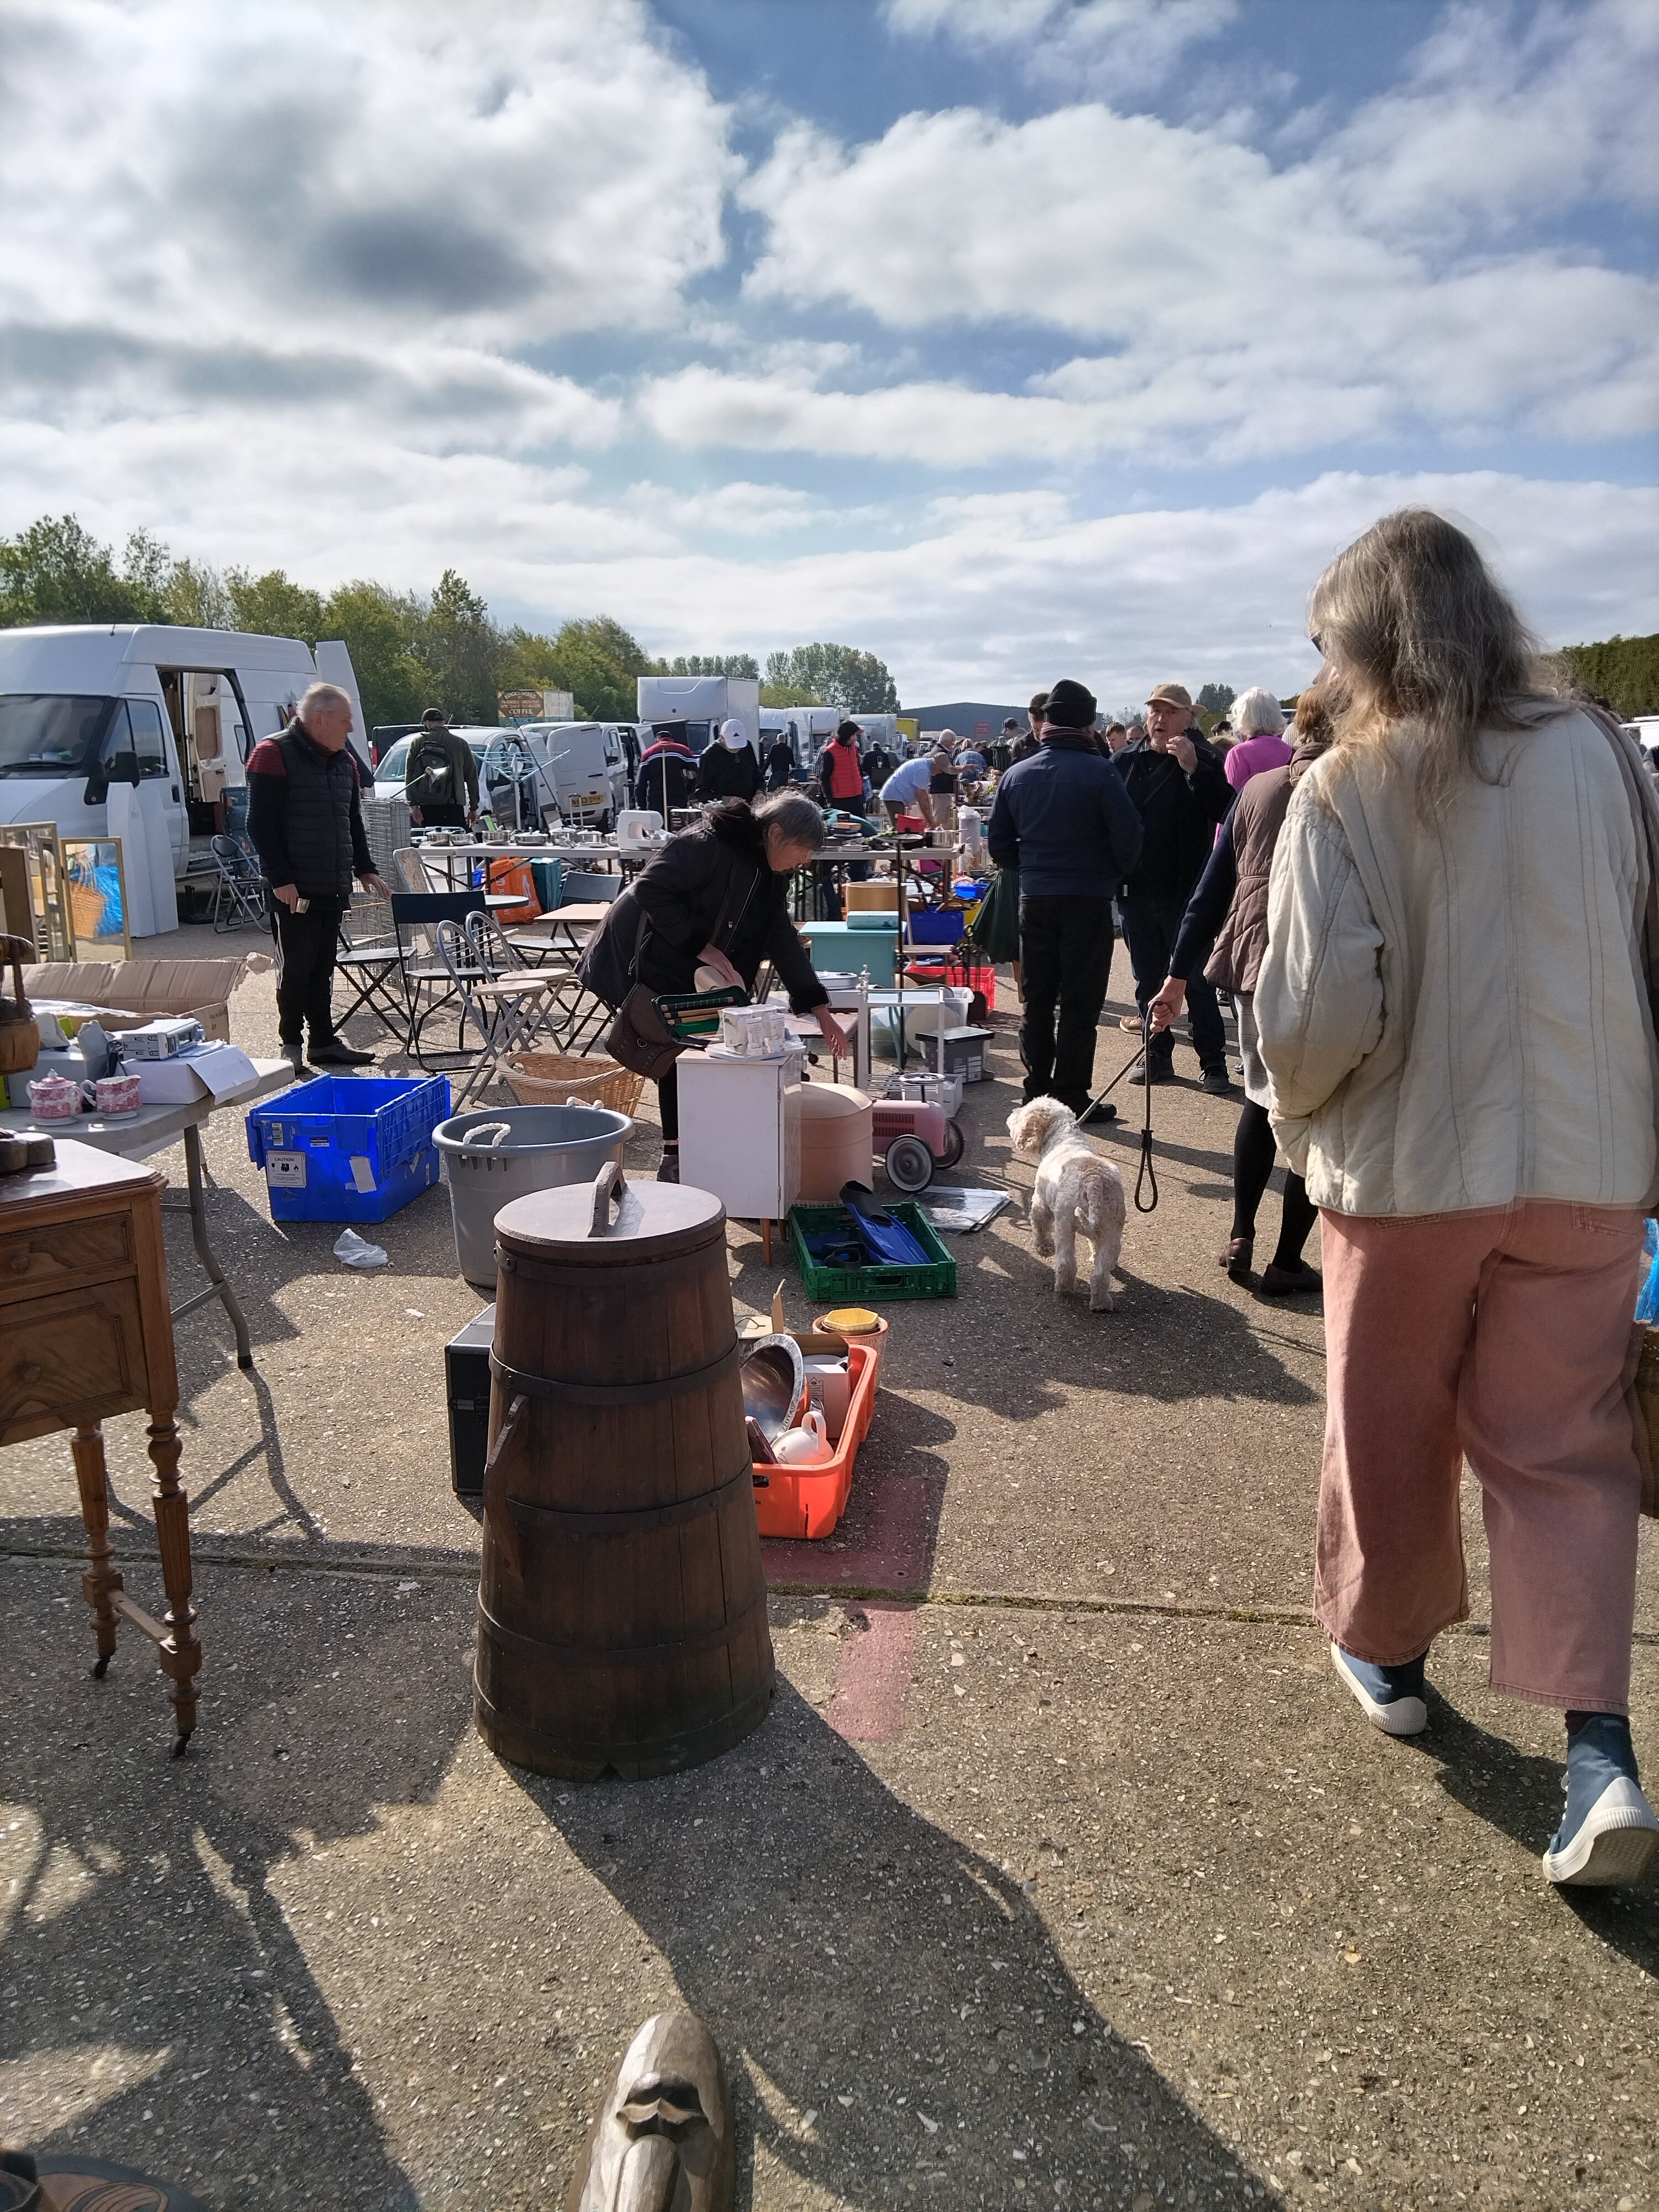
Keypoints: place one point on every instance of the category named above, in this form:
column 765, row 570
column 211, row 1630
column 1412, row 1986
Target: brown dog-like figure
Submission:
column 662, row 2142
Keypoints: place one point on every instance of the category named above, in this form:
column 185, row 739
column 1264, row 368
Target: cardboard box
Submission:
column 130, row 992
column 214, row 1068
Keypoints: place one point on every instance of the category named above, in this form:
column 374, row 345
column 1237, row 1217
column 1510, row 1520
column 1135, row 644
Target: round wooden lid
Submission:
column 651, row 1220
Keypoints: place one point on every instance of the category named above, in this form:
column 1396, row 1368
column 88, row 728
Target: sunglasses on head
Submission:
column 1317, row 643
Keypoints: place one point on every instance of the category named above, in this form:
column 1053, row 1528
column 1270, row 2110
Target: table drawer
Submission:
column 63, row 1252
column 75, row 1357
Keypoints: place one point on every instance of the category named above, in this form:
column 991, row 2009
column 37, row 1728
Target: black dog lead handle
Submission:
column 1147, row 1178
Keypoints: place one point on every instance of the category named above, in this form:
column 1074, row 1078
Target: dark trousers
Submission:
column 1065, row 960
column 308, row 946
column 668, row 1104
column 443, row 818
column 1151, row 922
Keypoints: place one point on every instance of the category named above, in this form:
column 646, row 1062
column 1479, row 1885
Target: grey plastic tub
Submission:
column 503, row 1152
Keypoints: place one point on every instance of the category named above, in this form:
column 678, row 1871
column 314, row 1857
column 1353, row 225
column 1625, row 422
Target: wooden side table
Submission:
column 86, row 1332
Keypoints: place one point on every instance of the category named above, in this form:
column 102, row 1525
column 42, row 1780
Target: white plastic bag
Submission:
column 356, row 1252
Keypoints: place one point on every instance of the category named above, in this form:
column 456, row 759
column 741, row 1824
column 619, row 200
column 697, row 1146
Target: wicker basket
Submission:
column 548, row 1079
column 20, row 1033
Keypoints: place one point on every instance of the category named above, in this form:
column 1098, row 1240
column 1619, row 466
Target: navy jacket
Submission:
column 1063, row 819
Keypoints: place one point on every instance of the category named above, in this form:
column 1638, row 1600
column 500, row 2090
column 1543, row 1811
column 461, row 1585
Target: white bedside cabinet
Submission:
column 738, row 1137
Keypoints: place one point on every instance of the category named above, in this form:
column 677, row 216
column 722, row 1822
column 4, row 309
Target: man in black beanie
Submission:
column 1063, row 819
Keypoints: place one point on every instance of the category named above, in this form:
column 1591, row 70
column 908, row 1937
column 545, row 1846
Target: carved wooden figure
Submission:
column 662, row 2141
column 86, row 1332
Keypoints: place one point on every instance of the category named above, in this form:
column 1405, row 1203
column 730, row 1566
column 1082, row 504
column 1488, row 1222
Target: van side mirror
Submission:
column 120, row 767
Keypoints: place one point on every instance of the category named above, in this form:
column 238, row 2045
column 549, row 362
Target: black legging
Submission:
column 1254, row 1152
column 668, row 1104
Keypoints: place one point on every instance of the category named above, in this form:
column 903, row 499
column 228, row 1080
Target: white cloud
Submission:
column 507, row 172
column 1239, row 307
column 1114, row 47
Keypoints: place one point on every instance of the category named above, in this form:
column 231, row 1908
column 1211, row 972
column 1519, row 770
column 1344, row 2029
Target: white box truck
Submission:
column 172, row 713
column 702, row 703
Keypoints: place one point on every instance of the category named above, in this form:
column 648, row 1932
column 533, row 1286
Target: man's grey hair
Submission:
column 1258, row 714
column 323, row 697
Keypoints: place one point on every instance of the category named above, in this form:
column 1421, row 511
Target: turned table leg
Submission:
column 180, row 1652
column 100, row 1578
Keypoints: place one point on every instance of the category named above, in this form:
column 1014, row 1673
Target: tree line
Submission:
column 411, row 650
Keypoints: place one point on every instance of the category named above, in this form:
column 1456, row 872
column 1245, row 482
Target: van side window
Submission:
column 147, row 739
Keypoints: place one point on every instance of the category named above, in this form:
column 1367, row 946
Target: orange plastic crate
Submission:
column 809, row 1501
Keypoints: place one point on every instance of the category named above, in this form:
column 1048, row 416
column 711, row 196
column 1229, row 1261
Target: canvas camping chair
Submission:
column 429, row 984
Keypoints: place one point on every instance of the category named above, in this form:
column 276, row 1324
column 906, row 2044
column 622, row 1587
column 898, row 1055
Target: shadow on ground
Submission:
column 900, row 2009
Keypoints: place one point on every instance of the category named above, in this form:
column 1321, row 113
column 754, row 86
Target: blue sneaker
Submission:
column 1609, row 1832
column 1395, row 1698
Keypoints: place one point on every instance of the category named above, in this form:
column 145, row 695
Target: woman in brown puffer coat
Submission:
column 1228, row 911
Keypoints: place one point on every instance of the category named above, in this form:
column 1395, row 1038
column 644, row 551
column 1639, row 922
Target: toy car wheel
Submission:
column 909, row 1163
column 955, row 1144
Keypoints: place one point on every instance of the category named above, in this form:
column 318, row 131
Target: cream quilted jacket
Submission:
column 1457, row 1017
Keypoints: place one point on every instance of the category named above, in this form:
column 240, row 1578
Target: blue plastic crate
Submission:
column 348, row 1148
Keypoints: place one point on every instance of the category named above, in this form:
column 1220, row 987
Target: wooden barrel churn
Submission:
column 622, row 1605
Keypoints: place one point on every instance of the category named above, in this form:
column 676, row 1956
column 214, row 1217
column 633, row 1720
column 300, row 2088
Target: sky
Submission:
column 1007, row 339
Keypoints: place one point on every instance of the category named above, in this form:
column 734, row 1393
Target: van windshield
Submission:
column 51, row 733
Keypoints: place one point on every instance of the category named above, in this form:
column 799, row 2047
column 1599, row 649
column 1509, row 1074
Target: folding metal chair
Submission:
column 369, row 960
column 506, row 1007
column 429, row 983
column 238, row 890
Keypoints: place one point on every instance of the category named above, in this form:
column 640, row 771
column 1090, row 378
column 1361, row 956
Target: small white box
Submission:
column 161, row 1038
column 211, row 1071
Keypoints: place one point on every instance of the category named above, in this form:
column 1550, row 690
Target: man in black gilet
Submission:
column 305, row 820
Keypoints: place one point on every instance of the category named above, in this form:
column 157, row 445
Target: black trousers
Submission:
column 1151, row 922
column 308, row 946
column 443, row 818
column 1065, row 960
column 668, row 1104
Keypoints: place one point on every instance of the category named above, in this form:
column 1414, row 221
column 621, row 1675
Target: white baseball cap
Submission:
column 733, row 736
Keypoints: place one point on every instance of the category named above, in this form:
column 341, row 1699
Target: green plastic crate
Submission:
column 841, row 1285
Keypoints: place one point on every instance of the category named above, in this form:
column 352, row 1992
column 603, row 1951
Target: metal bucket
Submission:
column 503, row 1152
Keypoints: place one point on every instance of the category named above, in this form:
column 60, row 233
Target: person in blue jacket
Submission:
column 1063, row 819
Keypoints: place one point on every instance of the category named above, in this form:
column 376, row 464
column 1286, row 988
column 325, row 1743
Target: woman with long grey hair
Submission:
column 1456, row 1012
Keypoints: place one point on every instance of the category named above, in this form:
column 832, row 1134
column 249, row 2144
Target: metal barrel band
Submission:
column 615, row 1394
column 693, row 1645
column 570, row 1520
column 610, row 1261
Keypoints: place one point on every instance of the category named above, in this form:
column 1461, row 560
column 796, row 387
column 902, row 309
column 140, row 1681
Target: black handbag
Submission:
column 640, row 1039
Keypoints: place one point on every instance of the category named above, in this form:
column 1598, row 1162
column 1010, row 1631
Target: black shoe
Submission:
column 1092, row 1114
column 336, row 1053
column 295, row 1054
column 669, row 1169
column 1217, row 1082
column 1161, row 1071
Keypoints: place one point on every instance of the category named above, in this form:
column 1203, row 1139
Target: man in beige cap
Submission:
column 1180, row 792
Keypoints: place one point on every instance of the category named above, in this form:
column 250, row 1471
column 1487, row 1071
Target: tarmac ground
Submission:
column 1063, row 1871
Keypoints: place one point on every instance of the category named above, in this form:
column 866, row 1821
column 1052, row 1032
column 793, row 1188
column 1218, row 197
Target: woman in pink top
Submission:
column 1259, row 723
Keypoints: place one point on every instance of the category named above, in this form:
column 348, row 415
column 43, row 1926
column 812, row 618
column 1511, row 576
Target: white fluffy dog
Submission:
column 1078, row 1194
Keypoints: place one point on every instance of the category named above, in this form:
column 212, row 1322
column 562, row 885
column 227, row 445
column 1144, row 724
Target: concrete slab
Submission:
column 1086, row 1909
column 339, row 1952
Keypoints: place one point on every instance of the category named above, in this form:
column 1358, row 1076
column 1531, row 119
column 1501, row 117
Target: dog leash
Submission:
column 1147, row 1178
column 1148, row 1174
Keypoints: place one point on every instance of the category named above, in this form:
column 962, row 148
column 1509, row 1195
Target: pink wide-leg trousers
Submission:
column 1506, row 1336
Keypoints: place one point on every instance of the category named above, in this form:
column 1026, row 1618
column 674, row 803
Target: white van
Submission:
column 588, row 764
column 702, row 703
column 173, row 712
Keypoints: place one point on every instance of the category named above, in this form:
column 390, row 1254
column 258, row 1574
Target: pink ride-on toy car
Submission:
column 912, row 1139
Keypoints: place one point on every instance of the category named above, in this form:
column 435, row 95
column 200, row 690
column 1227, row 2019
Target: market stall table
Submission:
column 152, row 1129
